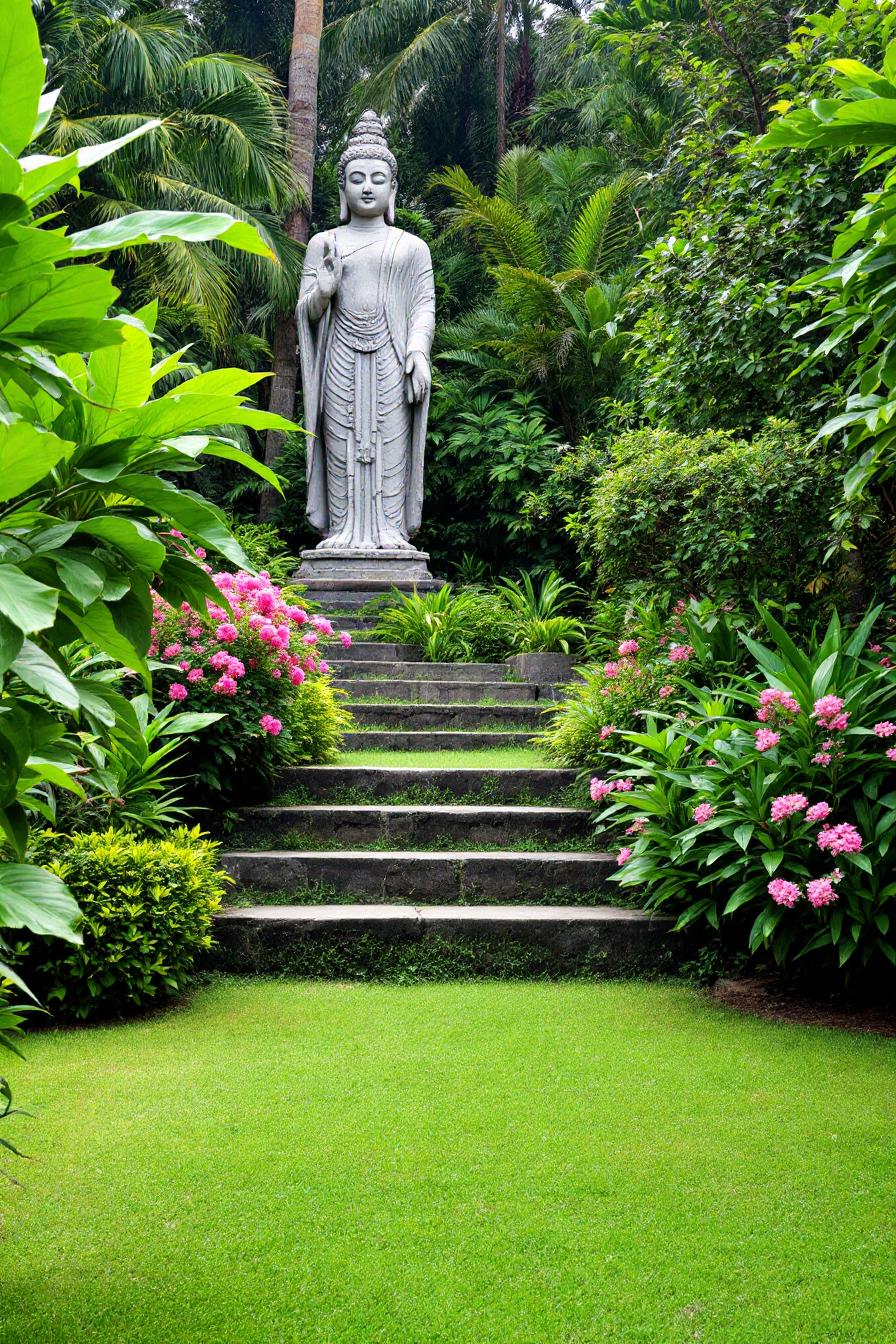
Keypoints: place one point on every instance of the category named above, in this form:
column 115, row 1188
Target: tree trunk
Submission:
column 304, row 60
column 501, row 43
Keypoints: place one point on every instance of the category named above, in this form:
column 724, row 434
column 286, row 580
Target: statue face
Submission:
column 368, row 186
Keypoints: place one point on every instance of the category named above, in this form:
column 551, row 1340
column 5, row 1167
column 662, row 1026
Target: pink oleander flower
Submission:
column 666, row 691
column 628, row 648
column 680, row 653
column 826, row 706
column 821, row 892
column 607, row 731
column 818, row 812
column 599, row 789
column 841, row 839
column 277, row 673
column 821, row 758
column 185, row 665
column 624, row 855
column 611, row 669
column 703, row 812
column 783, row 892
column 227, row 633
column 177, row 691
column 637, row 826
column 270, row 724
column 772, row 702
column 345, row 639
column 787, row 804
column 766, row 739
column 297, row 615
column 886, row 662
column 225, row 686
column 885, row 729
column 838, row 722
column 195, row 674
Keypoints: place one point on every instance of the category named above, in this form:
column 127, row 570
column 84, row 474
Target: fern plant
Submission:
column 560, row 244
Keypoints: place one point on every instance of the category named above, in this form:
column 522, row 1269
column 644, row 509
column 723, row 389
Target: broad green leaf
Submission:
column 82, row 578
column 156, row 226
column 179, row 724
column 31, row 898
column 21, row 75
column 135, row 541
column 61, row 311
column 98, row 627
column 28, row 604
column 11, row 640
column 46, row 173
column 26, row 455
column 121, row 374
column 38, row 670
column 231, row 454
column 189, row 512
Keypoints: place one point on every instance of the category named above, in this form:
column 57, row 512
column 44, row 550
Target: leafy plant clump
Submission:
column 768, row 810
column 246, row 657
column 146, row 906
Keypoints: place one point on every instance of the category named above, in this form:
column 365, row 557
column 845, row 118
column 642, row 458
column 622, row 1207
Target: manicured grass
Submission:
column 294, row 1163
column 492, row 758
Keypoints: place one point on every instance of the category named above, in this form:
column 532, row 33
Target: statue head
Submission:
column 368, row 173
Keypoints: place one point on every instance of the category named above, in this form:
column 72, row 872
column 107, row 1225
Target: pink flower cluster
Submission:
column 680, row 653
column 841, row 839
column 766, row 739
column 828, row 713
column 703, row 812
column 775, row 705
column 819, row 892
column 601, row 788
column 787, row 804
column 269, row 629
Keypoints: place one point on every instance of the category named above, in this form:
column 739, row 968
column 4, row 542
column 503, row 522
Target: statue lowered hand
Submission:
column 419, row 378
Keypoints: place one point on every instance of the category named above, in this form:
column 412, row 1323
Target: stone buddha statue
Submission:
column 366, row 317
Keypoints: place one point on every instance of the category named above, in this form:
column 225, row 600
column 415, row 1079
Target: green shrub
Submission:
column 147, row 907
column 710, row 513
column 316, row 720
column 447, row 626
column 265, row 548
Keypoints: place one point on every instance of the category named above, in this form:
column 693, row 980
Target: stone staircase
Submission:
column 481, row 860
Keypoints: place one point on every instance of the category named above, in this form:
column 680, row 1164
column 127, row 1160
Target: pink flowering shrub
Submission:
column 771, row 806
column 260, row 662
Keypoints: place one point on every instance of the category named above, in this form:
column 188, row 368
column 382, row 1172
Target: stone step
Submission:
column 384, row 781
column 335, row 940
column 366, row 651
column 447, row 875
column 410, row 718
column 385, row 669
column 372, row 739
column 353, row 623
column 413, row 826
column 440, row 692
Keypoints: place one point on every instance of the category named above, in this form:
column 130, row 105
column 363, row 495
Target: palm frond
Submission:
column 605, row 232
column 504, row 233
column 521, row 177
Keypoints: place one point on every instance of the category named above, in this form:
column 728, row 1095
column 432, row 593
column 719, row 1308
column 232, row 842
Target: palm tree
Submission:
column 559, row 250
column 221, row 146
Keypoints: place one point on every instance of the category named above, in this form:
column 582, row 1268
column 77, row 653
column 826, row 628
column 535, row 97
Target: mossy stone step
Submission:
column 414, row 717
column 383, row 781
column 445, row 876
column 434, row 740
column 367, row 651
column 413, row 826
column 386, row 668
column 328, row 940
column 439, row 692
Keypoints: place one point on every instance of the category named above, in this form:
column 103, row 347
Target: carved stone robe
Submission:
column 365, row 453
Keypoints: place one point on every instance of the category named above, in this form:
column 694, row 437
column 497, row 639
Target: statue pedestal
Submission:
column 369, row 571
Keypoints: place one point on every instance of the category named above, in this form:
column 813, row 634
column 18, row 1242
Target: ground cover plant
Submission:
column 434, row 1160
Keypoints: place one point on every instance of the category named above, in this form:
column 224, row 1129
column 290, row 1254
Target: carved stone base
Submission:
column 368, row 570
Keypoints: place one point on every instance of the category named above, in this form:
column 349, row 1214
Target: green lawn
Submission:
column 492, row 758
column 295, row 1163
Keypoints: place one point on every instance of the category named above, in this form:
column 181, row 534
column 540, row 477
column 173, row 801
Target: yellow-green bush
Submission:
column 316, row 720
column 147, row 907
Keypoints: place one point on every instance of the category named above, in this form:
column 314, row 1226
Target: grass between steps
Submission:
column 488, row 758
column 559, row 1163
column 322, row 893
column 422, row 795
column 265, row 839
